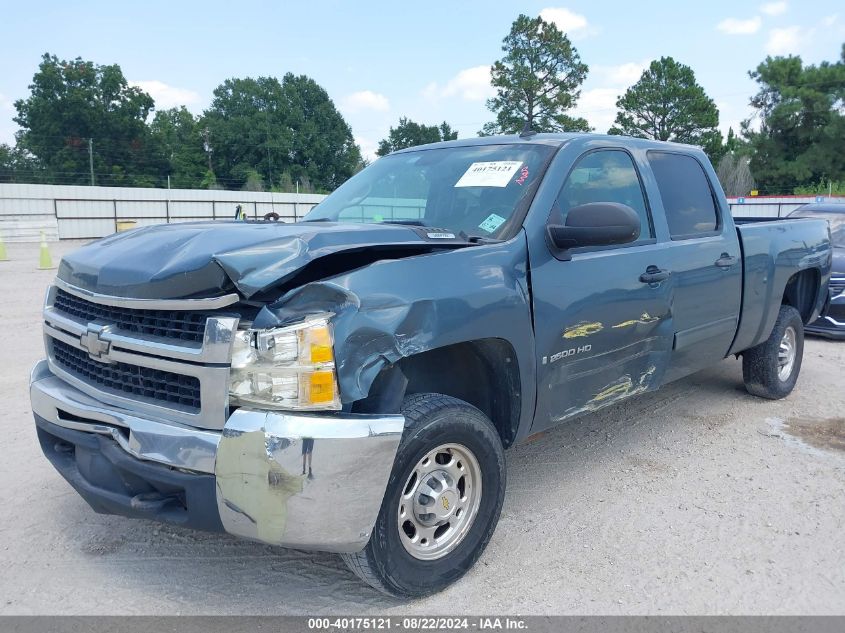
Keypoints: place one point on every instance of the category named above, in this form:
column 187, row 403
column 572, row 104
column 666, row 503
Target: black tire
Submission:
column 432, row 420
column 272, row 216
column 760, row 365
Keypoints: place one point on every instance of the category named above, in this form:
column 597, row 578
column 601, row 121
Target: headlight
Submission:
column 285, row 368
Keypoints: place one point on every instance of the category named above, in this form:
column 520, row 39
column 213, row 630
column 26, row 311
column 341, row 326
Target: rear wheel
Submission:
column 442, row 502
column 770, row 370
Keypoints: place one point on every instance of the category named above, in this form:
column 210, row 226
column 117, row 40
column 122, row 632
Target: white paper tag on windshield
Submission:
column 495, row 173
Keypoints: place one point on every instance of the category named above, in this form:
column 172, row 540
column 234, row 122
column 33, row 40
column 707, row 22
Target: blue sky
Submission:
column 425, row 60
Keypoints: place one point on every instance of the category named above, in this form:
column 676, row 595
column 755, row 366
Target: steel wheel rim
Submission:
column 439, row 501
column 786, row 354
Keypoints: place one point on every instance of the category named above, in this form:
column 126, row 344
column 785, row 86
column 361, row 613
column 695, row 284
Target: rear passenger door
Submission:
column 705, row 262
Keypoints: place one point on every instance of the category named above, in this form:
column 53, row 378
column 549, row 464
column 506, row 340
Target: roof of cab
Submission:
column 549, row 139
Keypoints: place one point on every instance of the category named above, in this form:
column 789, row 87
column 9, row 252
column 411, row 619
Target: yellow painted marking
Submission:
column 582, row 329
column 644, row 318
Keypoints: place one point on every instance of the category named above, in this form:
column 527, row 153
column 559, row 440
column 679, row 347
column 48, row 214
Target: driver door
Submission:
column 602, row 334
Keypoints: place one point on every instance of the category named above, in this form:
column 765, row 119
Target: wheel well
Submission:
column 483, row 373
column 801, row 292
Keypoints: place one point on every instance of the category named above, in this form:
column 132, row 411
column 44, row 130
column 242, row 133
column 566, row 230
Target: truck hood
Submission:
column 205, row 259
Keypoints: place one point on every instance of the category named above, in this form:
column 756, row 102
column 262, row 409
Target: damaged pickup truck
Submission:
column 349, row 383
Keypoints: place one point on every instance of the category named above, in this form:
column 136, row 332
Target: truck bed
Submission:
column 771, row 255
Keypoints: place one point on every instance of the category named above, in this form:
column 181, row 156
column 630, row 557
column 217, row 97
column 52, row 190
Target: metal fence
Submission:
column 66, row 212
column 774, row 206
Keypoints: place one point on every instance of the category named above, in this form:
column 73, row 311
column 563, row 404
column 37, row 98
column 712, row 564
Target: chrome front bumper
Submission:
column 257, row 461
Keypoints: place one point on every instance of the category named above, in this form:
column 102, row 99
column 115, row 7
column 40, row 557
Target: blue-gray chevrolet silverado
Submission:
column 349, row 382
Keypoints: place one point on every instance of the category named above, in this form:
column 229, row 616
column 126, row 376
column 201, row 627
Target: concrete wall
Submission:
column 64, row 212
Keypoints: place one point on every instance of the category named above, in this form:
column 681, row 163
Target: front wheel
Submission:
column 442, row 502
column 770, row 370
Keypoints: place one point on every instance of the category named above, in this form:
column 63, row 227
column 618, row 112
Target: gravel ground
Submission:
column 697, row 499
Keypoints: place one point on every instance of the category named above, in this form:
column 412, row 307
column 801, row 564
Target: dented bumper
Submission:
column 305, row 481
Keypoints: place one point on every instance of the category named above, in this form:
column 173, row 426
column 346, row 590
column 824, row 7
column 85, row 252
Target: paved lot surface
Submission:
column 697, row 499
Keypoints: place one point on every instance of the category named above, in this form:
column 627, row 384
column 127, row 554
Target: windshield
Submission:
column 478, row 190
column 836, row 220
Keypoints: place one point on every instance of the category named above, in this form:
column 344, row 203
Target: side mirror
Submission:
column 596, row 224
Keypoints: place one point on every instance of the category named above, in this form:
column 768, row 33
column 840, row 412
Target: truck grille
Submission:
column 143, row 382
column 165, row 358
column 181, row 325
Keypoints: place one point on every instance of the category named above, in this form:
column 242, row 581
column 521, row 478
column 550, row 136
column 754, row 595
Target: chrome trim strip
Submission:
column 834, row 321
column 216, row 346
column 150, row 440
column 211, row 303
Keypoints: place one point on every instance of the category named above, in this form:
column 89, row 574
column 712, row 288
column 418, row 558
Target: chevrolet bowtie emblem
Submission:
column 96, row 347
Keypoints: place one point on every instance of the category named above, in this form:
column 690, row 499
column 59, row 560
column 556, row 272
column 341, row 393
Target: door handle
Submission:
column 725, row 261
column 654, row 275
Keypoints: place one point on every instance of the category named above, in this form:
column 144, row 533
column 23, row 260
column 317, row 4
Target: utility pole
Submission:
column 91, row 158
column 207, row 147
column 269, row 168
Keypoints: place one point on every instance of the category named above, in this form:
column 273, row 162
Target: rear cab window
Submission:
column 688, row 199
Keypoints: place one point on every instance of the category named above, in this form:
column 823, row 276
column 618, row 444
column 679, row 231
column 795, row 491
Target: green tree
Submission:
column 668, row 104
column 17, row 166
column 73, row 101
column 798, row 143
column 267, row 126
column 209, row 181
column 733, row 166
column 176, row 135
column 537, row 81
column 254, row 181
column 735, row 175
column 409, row 134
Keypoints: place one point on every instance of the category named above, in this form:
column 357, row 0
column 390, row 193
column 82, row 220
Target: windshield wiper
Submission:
column 404, row 222
column 478, row 239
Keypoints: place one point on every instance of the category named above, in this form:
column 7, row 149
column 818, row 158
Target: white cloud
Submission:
column 7, row 126
column 774, row 8
column 598, row 106
column 628, row 73
column 365, row 100
column 786, row 40
column 734, row 26
column 573, row 24
column 470, row 84
column 167, row 96
column 368, row 147
column 830, row 20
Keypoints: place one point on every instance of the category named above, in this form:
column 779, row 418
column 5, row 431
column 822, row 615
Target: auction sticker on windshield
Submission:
column 492, row 223
column 496, row 173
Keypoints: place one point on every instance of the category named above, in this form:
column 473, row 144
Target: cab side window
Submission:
column 605, row 176
column 686, row 195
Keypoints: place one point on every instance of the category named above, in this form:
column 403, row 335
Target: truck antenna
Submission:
column 527, row 132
